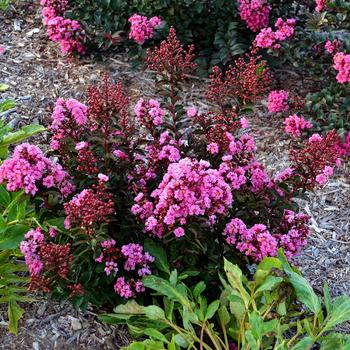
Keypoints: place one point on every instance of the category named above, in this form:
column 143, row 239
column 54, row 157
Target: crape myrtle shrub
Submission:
column 135, row 178
column 320, row 47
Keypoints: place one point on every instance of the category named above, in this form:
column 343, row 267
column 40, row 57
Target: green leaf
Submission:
column 15, row 312
column 224, row 315
column 304, row 291
column 340, row 312
column 270, row 283
column 154, row 312
column 212, row 308
column 234, row 276
column 154, row 333
column 22, row 134
column 165, row 288
column 198, row 289
column 159, row 254
column 303, row 344
column 12, row 236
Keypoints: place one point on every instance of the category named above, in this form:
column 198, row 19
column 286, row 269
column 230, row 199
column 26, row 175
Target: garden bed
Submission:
column 38, row 75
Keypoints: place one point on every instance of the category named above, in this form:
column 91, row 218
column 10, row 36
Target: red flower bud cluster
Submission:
column 245, row 82
column 90, row 208
column 171, row 58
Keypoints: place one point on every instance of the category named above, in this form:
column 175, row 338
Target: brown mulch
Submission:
column 37, row 75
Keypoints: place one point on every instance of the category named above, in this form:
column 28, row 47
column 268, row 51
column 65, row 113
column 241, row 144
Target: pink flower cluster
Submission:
column 295, row 125
column 30, row 247
column 342, row 65
column 278, row 101
column 130, row 257
column 293, row 232
column 149, row 113
column 256, row 242
column 255, row 13
column 142, row 28
column 189, row 188
column 30, row 170
column 68, row 119
column 270, row 39
column 67, row 32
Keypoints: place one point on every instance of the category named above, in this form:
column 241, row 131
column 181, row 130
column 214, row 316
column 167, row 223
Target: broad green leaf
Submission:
column 340, row 312
column 303, row 344
column 198, row 289
column 212, row 308
column 15, row 312
column 22, row 134
column 159, row 254
column 154, row 333
column 131, row 308
column 165, row 288
column 224, row 315
column 270, row 283
column 154, row 312
column 304, row 291
column 11, row 237
column 234, row 276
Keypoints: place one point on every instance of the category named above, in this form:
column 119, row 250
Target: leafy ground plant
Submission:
column 277, row 310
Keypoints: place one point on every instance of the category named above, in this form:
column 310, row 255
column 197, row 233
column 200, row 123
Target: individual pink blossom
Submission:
column 103, row 177
column 295, row 125
column 120, row 154
column 179, row 232
column 278, row 101
column 244, row 123
column 213, row 148
column 142, row 28
column 80, row 145
column 2, row 49
column 255, row 13
column 191, row 112
column 52, row 232
column 315, row 138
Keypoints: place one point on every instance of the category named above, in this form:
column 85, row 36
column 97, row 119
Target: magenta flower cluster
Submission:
column 68, row 119
column 255, row 13
column 189, row 188
column 278, row 101
column 149, row 113
column 270, row 39
column 29, row 248
column 30, row 170
column 256, row 242
column 295, row 125
column 129, row 257
column 142, row 28
column 342, row 65
column 67, row 32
